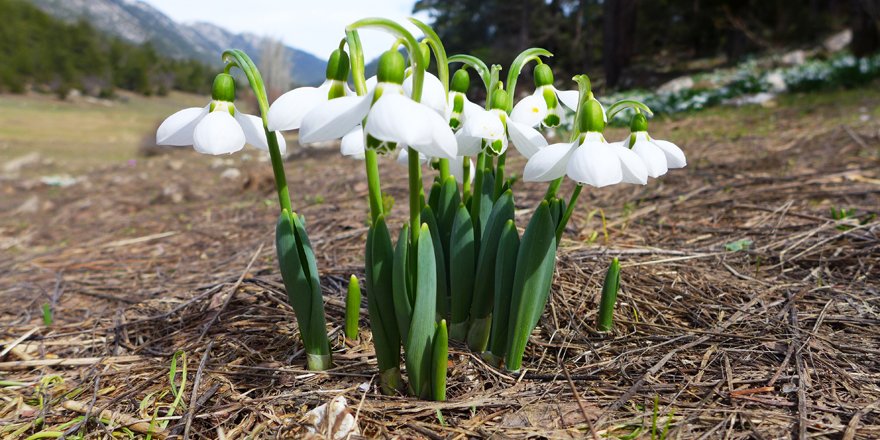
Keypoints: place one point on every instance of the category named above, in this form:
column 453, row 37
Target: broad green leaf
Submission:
column 505, row 269
column 352, row 308
column 446, row 210
column 461, row 272
column 403, row 294
column 609, row 296
column 317, row 323
column 379, row 261
column 535, row 262
column 442, row 289
column 440, row 361
column 434, row 196
column 487, row 201
column 419, row 348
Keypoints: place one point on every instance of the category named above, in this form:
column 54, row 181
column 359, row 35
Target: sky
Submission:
column 315, row 26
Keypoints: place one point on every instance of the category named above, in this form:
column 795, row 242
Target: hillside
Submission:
column 137, row 22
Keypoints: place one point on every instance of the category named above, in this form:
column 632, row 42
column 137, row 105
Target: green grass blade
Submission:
column 535, row 262
column 421, row 331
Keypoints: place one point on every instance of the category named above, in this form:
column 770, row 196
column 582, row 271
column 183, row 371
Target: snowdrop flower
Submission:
column 542, row 106
column 218, row 128
column 590, row 160
column 657, row 155
column 490, row 130
column 392, row 118
column 458, row 105
column 287, row 112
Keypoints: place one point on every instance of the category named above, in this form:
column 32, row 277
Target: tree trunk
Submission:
column 619, row 26
column 863, row 19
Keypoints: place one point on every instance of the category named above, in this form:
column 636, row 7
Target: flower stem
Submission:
column 568, row 211
column 499, row 174
column 444, row 169
column 415, row 194
column 478, row 191
column 278, row 170
column 553, row 188
column 375, row 191
column 466, row 178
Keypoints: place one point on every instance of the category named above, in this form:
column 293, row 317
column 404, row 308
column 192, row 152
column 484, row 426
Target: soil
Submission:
column 746, row 309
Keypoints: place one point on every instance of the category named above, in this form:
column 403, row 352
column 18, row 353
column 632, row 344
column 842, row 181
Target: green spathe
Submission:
column 391, row 67
column 224, row 88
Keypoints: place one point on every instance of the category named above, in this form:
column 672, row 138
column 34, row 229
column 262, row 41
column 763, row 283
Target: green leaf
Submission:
column 439, row 258
column 461, row 271
column 487, row 200
column 419, row 348
column 609, row 296
column 380, row 257
column 434, row 196
column 440, row 361
column 300, row 275
column 484, row 278
column 404, row 295
column 535, row 262
column 352, row 308
column 739, row 245
column 505, row 269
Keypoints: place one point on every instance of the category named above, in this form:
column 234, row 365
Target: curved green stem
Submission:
column 623, row 104
column 436, row 45
column 476, row 63
column 494, row 80
column 516, row 67
column 415, row 194
column 412, row 47
column 237, row 58
column 568, row 211
column 553, row 188
column 356, row 58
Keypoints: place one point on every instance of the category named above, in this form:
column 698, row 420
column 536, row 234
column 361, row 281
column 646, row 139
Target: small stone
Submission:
column 230, row 173
column 17, row 164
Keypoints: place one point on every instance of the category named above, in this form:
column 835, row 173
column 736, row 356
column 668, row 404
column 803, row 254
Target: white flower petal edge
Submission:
column 596, row 164
column 631, row 165
column 287, row 112
column 334, row 118
column 549, row 163
column 652, row 156
column 467, row 145
column 526, row 139
column 456, row 168
column 433, row 94
column 674, row 156
column 397, row 118
column 218, row 133
column 403, row 157
column 569, row 98
column 353, row 143
column 483, row 124
column 531, row 110
column 177, row 129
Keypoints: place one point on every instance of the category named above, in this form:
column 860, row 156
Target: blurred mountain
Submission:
column 138, row 22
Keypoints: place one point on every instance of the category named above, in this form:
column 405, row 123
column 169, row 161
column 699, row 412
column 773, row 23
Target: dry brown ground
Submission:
column 777, row 341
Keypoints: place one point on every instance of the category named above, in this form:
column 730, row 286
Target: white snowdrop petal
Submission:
column 531, row 110
column 456, row 168
column 526, row 139
column 218, row 133
column 674, row 156
column 549, row 163
column 397, row 118
column 334, row 118
column 371, row 83
column 469, row 109
column 178, row 128
column 569, row 98
column 596, row 164
column 483, row 124
column 631, row 165
column 254, row 133
column 287, row 112
column 403, row 157
column 443, row 143
column 652, row 156
column 467, row 145
column 353, row 143
column 282, row 143
column 433, row 94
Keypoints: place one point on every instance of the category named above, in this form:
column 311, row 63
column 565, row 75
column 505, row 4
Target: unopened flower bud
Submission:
column 639, row 123
column 499, row 99
column 426, row 53
column 224, row 88
column 461, row 81
column 592, row 117
column 391, row 67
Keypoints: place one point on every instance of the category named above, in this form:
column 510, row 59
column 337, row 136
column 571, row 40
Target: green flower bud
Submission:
column 543, row 75
column 461, row 81
column 426, row 53
column 224, row 88
column 592, row 117
column 338, row 65
column 391, row 67
column 639, row 123
column 499, row 100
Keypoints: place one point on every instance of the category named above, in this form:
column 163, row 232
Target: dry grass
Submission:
column 776, row 341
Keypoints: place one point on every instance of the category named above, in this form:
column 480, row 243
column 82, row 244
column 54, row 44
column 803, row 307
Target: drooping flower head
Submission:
column 392, row 118
column 658, row 155
column 217, row 128
column 458, row 105
column 489, row 131
column 590, row 159
column 542, row 107
column 287, row 112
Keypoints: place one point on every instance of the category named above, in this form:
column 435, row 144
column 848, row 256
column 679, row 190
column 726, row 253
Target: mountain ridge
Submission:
column 138, row 22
